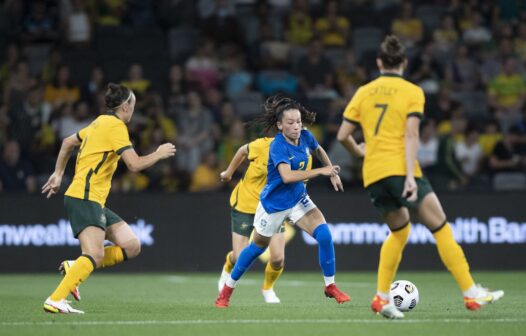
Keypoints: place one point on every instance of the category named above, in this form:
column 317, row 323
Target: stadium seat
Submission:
column 509, row 181
column 365, row 39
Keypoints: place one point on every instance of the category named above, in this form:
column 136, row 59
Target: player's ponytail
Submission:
column 116, row 95
column 392, row 52
column 273, row 112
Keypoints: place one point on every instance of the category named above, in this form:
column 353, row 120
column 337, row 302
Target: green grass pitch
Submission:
column 182, row 304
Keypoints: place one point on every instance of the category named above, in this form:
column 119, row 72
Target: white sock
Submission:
column 329, row 280
column 471, row 292
column 231, row 282
column 383, row 296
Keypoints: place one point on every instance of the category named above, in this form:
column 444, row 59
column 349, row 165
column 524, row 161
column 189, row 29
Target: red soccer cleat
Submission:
column 332, row 291
column 223, row 299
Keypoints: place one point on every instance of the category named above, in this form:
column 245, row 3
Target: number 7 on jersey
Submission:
column 383, row 107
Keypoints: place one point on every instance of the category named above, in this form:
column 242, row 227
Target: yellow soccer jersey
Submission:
column 103, row 141
column 245, row 196
column 382, row 107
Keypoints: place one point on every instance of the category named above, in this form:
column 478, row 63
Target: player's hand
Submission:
column 330, row 170
column 52, row 185
column 166, row 150
column 337, row 183
column 224, row 176
column 410, row 189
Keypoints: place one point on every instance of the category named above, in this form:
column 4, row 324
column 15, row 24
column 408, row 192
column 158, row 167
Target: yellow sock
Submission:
column 390, row 256
column 228, row 267
column 453, row 257
column 113, row 255
column 271, row 276
column 80, row 271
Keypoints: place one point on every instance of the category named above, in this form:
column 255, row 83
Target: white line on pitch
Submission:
column 253, row 282
column 284, row 321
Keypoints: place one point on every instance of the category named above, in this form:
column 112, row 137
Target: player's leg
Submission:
column 310, row 219
column 274, row 267
column 127, row 245
column 242, row 225
column 92, row 246
column 433, row 217
column 265, row 225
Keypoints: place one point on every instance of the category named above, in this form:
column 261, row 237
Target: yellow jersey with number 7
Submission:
column 381, row 108
column 103, row 141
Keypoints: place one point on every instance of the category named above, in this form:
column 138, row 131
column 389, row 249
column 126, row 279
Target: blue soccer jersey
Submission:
column 278, row 196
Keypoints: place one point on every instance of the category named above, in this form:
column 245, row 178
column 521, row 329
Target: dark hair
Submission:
column 273, row 112
column 116, row 95
column 392, row 52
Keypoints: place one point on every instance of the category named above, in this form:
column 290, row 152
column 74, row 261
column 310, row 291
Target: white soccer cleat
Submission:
column 270, row 296
column 483, row 297
column 61, row 306
column 386, row 309
column 64, row 268
column 222, row 280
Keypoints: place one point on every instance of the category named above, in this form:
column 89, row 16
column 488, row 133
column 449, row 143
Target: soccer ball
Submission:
column 404, row 295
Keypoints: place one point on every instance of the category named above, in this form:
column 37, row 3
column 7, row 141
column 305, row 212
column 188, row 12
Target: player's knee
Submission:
column 132, row 248
column 97, row 256
column 277, row 263
column 322, row 234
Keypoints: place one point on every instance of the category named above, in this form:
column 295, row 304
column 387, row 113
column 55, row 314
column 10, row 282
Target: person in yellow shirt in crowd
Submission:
column 389, row 110
column 102, row 144
column 299, row 24
column 408, row 28
column 333, row 28
column 62, row 90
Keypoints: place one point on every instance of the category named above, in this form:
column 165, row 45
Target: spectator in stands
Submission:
column 96, row 84
column 73, row 118
column 463, row 71
column 299, row 24
column 469, row 152
column 490, row 137
column 62, row 90
column 205, row 177
column 51, row 66
column 110, row 12
column 237, row 78
column 136, row 81
column 16, row 173
column 40, row 24
column 315, row 72
column 427, row 72
column 506, row 156
column 333, row 28
column 231, row 141
column 408, row 28
column 350, row 72
column 444, row 106
column 519, row 42
column 428, row 150
column 176, row 87
column 195, row 123
column 446, row 36
column 476, row 34
column 202, row 69
column 507, row 93
column 19, row 83
column 77, row 24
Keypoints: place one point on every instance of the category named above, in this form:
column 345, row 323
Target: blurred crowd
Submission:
column 202, row 69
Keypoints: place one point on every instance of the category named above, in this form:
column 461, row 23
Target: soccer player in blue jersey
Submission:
column 285, row 196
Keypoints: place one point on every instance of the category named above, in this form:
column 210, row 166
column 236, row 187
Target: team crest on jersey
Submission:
column 263, row 222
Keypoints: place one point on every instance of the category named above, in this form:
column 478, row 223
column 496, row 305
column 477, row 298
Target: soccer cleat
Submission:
column 270, row 296
column 61, row 306
column 483, row 297
column 386, row 309
column 64, row 269
column 332, row 291
column 222, row 280
column 223, row 299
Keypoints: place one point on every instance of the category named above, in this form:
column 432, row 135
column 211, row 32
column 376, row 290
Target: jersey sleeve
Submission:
column 311, row 141
column 278, row 154
column 352, row 110
column 119, row 139
column 81, row 135
column 415, row 107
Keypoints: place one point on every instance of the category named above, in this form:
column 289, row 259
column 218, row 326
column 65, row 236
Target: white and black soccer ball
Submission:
column 403, row 295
